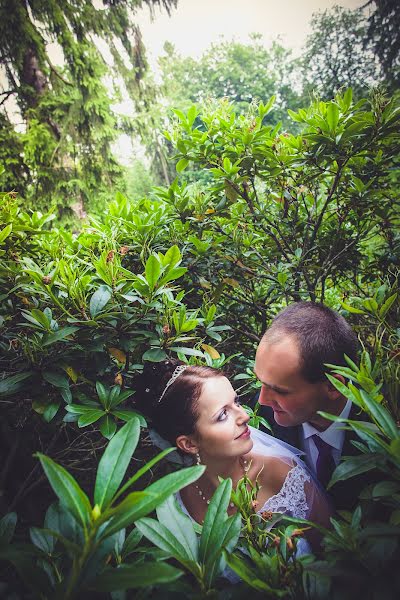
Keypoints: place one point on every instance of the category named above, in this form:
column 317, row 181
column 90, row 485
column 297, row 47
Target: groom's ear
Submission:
column 186, row 444
column 333, row 393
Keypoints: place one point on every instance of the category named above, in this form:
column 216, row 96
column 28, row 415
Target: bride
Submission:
column 196, row 409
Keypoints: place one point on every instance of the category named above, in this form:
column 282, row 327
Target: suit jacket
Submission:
column 344, row 494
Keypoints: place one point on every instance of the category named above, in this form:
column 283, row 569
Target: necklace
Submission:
column 245, row 466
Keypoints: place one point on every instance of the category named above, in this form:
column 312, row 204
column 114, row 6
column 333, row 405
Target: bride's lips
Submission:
column 244, row 435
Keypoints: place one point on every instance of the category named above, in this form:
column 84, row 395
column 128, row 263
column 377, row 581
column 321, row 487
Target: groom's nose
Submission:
column 266, row 396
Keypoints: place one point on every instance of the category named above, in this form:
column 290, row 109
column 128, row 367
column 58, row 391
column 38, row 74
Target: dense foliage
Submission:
column 197, row 271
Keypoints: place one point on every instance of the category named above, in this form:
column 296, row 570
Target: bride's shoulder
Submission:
column 271, row 471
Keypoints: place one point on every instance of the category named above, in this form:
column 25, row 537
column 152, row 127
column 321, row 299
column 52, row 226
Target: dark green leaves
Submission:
column 67, row 489
column 114, row 462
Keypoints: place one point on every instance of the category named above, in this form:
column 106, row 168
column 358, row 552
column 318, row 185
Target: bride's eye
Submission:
column 237, row 401
column 222, row 415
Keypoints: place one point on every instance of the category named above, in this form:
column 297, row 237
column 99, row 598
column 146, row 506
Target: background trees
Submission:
column 66, row 111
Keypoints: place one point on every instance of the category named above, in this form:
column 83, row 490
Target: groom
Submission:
column 290, row 365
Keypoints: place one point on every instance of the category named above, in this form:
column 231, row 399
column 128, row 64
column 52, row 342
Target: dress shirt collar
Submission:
column 333, row 435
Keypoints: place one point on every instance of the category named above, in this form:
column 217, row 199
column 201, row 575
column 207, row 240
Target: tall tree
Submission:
column 336, row 54
column 383, row 33
column 69, row 124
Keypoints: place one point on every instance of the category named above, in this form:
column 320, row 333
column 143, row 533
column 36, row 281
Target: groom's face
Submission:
column 293, row 399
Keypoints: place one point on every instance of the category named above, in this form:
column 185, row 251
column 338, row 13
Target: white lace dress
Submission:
column 291, row 500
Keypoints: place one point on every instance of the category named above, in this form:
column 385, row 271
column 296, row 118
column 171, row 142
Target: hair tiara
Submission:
column 179, row 369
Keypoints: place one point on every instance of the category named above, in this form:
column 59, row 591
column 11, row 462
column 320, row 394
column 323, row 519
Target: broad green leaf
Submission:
column 341, row 387
column 387, row 305
column 128, row 577
column 67, row 489
column 58, row 335
column 351, row 309
column 4, row 233
column 102, row 393
column 163, row 538
column 107, row 426
column 214, row 521
column 50, row 411
column 42, row 539
column 229, row 538
column 99, row 300
column 182, row 164
column 155, row 494
column 7, row 527
column 248, row 575
column 352, row 467
column 131, row 542
column 154, row 355
column 10, row 385
column 180, row 526
column 152, row 271
column 115, row 461
column 90, row 417
column 127, row 415
column 172, row 256
column 149, row 464
column 381, row 416
column 332, row 115
column 56, row 379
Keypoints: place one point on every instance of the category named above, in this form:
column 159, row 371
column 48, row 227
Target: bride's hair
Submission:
column 177, row 411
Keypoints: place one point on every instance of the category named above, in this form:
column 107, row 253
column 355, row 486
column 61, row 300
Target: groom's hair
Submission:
column 322, row 334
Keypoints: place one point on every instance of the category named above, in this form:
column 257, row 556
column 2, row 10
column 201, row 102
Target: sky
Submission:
column 195, row 24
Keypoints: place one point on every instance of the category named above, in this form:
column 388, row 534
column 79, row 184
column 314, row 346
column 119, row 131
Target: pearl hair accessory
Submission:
column 246, row 467
column 179, row 369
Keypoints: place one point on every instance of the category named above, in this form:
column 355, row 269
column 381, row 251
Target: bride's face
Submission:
column 221, row 429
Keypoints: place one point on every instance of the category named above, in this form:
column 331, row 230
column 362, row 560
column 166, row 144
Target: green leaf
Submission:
column 128, row 577
column 102, row 393
column 90, row 416
column 131, row 542
column 387, row 305
column 154, row 355
column 115, row 461
column 99, row 300
column 179, row 525
column 214, row 520
column 4, row 233
column 67, row 489
column 132, row 510
column 352, row 467
column 7, row 527
column 182, row 164
column 127, row 415
column 58, row 335
column 351, row 309
column 172, row 257
column 332, row 115
column 56, row 379
column 250, row 576
column 163, row 538
column 381, row 416
column 107, row 426
column 41, row 539
column 149, row 464
column 152, row 271
column 10, row 385
column 50, row 411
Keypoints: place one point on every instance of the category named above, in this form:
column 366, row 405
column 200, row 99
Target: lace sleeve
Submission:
column 292, row 498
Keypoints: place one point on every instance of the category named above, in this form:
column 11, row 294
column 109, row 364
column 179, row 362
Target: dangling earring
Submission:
column 198, row 461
